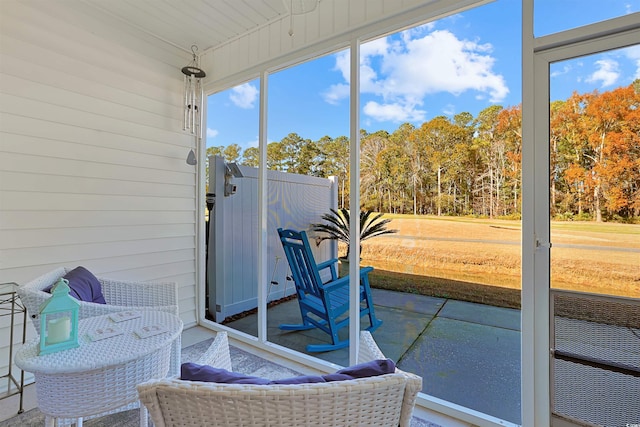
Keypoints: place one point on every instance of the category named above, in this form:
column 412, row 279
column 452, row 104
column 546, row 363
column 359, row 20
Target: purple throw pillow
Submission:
column 302, row 379
column 84, row 286
column 369, row 369
column 205, row 373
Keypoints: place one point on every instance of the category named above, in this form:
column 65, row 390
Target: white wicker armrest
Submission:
column 369, row 350
column 217, row 355
column 413, row 387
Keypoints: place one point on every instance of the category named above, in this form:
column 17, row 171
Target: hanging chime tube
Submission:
column 185, row 103
column 193, row 96
column 190, row 105
column 197, row 108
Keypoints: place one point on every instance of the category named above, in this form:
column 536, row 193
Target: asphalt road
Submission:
column 511, row 242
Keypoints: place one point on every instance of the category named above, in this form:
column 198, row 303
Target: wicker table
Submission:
column 100, row 377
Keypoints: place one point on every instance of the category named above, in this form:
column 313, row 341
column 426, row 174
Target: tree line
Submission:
column 466, row 165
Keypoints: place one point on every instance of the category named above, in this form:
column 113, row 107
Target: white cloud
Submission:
column 633, row 53
column 402, row 71
column 607, row 72
column 440, row 62
column 342, row 64
column 566, row 69
column 395, row 112
column 449, row 110
column 244, row 96
column 418, row 31
column 336, row 93
column 212, row 133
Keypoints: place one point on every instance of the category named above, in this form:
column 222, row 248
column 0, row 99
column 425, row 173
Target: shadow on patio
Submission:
column 466, row 353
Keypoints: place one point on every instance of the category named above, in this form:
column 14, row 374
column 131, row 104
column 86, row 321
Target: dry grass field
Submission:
column 479, row 259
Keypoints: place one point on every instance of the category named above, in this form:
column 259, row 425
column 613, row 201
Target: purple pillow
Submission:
column 84, row 286
column 205, row 373
column 302, row 379
column 369, row 369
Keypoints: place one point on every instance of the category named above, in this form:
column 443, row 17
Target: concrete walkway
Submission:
column 466, row 353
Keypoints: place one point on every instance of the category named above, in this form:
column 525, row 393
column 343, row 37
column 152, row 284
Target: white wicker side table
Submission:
column 100, row 377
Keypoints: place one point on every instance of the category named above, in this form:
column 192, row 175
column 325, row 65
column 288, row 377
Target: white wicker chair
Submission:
column 119, row 295
column 385, row 400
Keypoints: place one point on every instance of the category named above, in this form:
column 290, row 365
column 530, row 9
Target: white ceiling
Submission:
column 205, row 23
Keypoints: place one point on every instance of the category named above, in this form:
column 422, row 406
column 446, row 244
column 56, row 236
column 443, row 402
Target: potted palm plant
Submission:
column 337, row 227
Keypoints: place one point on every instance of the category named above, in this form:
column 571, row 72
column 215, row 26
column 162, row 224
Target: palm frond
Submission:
column 338, row 223
column 372, row 227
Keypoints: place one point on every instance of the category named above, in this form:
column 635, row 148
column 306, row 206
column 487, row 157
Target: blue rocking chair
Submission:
column 323, row 305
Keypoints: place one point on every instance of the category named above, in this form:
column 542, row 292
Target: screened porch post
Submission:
column 354, row 204
column 262, row 212
column 535, row 227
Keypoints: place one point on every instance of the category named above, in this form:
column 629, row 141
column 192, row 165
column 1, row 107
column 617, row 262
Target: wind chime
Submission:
column 193, row 98
column 299, row 7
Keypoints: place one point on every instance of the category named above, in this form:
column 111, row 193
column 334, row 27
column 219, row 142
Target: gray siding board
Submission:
column 82, row 185
column 60, row 219
column 50, row 252
column 140, row 151
column 56, row 110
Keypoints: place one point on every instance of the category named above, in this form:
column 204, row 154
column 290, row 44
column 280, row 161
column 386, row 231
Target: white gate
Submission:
column 295, row 201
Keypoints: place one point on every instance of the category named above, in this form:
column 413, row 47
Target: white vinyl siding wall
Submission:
column 92, row 153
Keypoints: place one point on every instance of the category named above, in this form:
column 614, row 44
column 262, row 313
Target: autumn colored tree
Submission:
column 602, row 130
column 612, row 122
column 472, row 165
column 567, row 162
column 509, row 131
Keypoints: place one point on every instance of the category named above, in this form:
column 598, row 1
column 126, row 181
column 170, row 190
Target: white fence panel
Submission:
column 294, row 201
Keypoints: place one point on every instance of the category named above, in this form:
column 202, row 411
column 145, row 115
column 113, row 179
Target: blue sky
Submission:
column 466, row 62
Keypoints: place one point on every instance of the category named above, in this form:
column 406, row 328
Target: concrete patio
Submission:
column 466, row 353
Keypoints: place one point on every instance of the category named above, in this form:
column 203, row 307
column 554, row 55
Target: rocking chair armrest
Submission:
column 331, row 264
column 365, row 270
column 342, row 281
column 336, row 284
column 328, row 263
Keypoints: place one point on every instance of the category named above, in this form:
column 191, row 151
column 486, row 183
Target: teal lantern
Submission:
column 59, row 320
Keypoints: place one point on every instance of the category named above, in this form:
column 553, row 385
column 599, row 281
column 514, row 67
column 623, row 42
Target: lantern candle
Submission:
column 58, row 330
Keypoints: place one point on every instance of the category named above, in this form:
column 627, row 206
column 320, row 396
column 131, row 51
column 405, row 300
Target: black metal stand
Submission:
column 10, row 305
